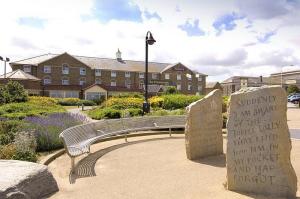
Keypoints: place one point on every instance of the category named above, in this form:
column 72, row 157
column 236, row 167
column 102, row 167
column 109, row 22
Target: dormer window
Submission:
column 27, row 68
column 65, row 69
column 178, row 76
column 127, row 74
column 97, row 72
column 113, row 74
column 82, row 71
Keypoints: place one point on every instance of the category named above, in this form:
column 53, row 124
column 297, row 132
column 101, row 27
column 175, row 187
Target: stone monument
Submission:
column 203, row 131
column 259, row 145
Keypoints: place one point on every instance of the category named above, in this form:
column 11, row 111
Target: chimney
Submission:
column 119, row 55
column 261, row 79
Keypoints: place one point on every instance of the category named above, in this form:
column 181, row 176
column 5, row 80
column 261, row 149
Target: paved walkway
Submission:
column 78, row 111
column 148, row 167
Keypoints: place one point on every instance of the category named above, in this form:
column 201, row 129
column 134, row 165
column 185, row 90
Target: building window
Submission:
column 189, row 87
column 94, row 95
column 82, row 71
column 82, row 81
column 113, row 83
column 154, row 75
column 72, row 94
column 199, row 87
column 127, row 83
column 199, row 78
column 65, row 81
column 141, row 84
column 27, row 68
column 97, row 72
column 65, row 69
column 178, row 76
column 47, row 80
column 178, row 87
column 113, row 74
column 97, row 81
column 167, row 76
column 47, row 69
column 244, row 83
column 189, row 76
column 57, row 94
column 127, row 74
column 141, row 75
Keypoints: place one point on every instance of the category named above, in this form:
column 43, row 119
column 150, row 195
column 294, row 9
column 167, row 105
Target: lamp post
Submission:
column 148, row 41
column 5, row 60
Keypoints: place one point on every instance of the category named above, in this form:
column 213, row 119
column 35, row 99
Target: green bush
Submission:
column 24, row 109
column 29, row 156
column 171, row 90
column 133, row 112
column 7, row 151
column 13, row 92
column 104, row 113
column 224, row 119
column 163, row 112
column 123, row 103
column 178, row 101
column 8, row 130
column 225, row 104
column 131, row 94
column 75, row 102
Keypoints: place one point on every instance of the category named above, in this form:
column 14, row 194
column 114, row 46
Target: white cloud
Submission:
column 68, row 25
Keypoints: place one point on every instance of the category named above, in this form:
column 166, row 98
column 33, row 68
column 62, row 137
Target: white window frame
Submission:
column 65, row 69
column 141, row 84
column 167, row 75
column 72, row 94
column 113, row 73
column 189, row 76
column 154, row 76
column 199, row 87
column 27, row 68
column 178, row 87
column 47, row 69
column 98, row 81
column 97, row 72
column 82, row 71
column 113, row 83
column 178, row 76
column 65, row 81
column 127, row 74
column 127, row 83
column 199, row 78
column 189, row 87
column 141, row 75
column 47, row 78
column 57, row 94
column 82, row 81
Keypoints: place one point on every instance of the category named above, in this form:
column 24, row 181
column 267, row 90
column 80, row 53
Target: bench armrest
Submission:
column 155, row 124
column 100, row 131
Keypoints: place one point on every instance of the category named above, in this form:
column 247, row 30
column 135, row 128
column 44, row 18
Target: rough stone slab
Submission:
column 203, row 131
column 20, row 179
column 259, row 145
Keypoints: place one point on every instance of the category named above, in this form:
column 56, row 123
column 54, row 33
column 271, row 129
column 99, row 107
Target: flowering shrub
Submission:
column 104, row 113
column 47, row 101
column 156, row 101
column 48, row 128
column 178, row 101
column 124, row 103
column 75, row 102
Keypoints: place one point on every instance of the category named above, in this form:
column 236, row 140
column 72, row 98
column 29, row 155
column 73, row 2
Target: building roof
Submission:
column 250, row 78
column 114, row 88
column 103, row 63
column 19, row 75
column 292, row 72
column 211, row 84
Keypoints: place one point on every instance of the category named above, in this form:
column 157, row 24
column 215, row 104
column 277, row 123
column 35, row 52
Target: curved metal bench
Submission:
column 78, row 139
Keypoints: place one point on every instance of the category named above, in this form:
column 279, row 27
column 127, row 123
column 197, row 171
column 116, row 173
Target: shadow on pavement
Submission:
column 216, row 161
column 86, row 166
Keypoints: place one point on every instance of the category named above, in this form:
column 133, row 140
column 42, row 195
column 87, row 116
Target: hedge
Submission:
column 104, row 113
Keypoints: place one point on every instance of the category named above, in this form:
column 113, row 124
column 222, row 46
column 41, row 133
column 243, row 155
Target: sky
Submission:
column 220, row 38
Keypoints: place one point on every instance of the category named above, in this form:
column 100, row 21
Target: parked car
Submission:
column 295, row 99
column 291, row 96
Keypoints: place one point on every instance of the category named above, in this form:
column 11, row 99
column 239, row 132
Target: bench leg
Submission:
column 126, row 137
column 170, row 132
column 73, row 164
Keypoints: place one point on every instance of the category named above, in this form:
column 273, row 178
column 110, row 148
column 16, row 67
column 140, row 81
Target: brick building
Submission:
column 65, row 75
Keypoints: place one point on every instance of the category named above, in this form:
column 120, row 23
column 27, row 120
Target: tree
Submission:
column 293, row 89
column 13, row 92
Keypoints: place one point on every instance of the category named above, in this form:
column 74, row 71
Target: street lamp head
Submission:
column 1, row 58
column 150, row 39
column 7, row 59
